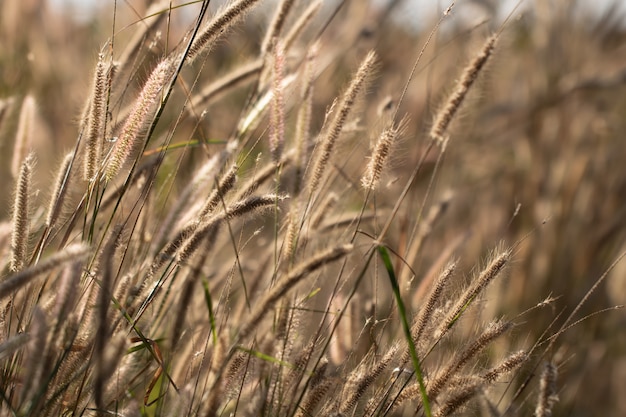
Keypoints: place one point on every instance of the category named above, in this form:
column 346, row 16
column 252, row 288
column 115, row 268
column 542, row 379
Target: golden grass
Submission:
column 217, row 238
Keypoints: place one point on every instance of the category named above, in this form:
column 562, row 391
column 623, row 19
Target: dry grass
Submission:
column 299, row 210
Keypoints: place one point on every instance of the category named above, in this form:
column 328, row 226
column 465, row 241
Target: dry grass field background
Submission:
column 294, row 208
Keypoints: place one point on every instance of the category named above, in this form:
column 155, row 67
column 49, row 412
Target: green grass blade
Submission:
column 384, row 254
column 209, row 304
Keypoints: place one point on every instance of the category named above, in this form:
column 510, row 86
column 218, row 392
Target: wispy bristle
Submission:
column 305, row 18
column 280, row 288
column 547, row 391
column 21, row 216
column 217, row 26
column 225, row 184
column 24, row 134
column 60, row 190
column 470, row 73
column 459, row 397
column 508, row 365
column 20, row 279
column 494, row 330
column 128, row 140
column 282, row 11
column 380, row 156
column 277, row 114
column 476, row 287
column 94, row 135
column 327, row 142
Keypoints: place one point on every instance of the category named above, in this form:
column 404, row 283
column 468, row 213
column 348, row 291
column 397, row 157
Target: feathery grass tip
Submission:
column 470, row 73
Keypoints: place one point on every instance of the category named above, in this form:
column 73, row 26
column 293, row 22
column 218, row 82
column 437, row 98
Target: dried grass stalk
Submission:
column 21, row 216
column 273, row 32
column 475, row 288
column 234, row 78
column 60, row 190
column 305, row 18
column 380, row 156
column 277, row 114
column 24, row 134
column 459, row 397
column 155, row 14
column 547, row 391
column 298, row 273
column 514, row 361
column 96, row 121
column 128, row 140
column 16, row 281
column 470, row 73
column 224, row 20
column 327, row 142
column 494, row 330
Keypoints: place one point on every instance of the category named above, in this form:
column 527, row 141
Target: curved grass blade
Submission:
column 384, row 254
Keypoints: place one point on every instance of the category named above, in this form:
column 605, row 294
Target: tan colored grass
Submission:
column 21, row 216
column 129, row 140
column 24, row 135
column 240, row 288
column 445, row 116
column 326, row 142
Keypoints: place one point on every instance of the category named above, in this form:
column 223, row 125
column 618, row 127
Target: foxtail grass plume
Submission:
column 380, row 156
column 303, row 121
column 476, row 287
column 299, row 272
column 224, row 20
column 18, row 280
column 96, row 121
column 547, row 391
column 21, row 216
column 24, row 134
column 129, row 139
column 513, row 362
column 327, row 141
column 223, row 186
column 305, row 18
column 60, row 190
column 428, row 308
column 452, row 104
column 277, row 115
column 272, row 34
column 459, row 397
column 493, row 330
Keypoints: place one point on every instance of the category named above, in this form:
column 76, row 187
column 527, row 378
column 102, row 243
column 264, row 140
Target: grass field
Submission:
column 303, row 208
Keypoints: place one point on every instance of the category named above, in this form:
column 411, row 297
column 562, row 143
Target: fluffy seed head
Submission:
column 24, row 134
column 128, row 140
column 470, row 73
column 21, row 216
